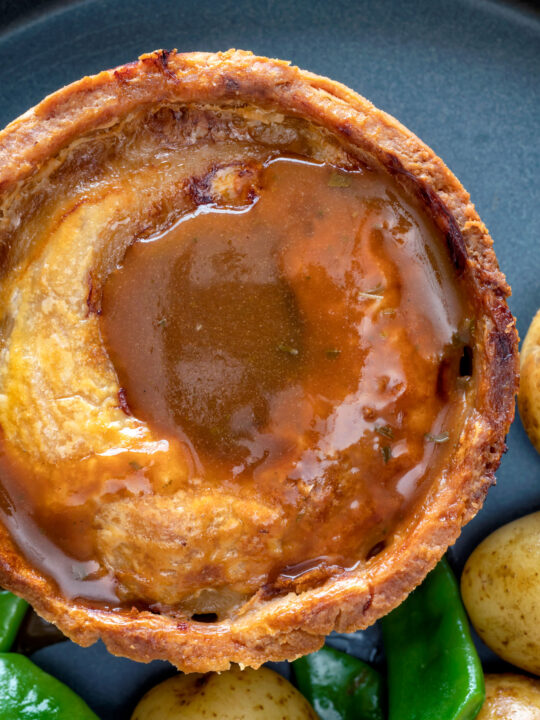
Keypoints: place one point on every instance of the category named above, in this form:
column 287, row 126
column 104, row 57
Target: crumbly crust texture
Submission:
column 286, row 626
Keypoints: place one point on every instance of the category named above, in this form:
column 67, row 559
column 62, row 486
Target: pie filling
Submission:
column 232, row 364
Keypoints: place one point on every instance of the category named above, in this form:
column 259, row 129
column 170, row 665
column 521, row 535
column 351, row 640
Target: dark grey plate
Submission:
column 463, row 75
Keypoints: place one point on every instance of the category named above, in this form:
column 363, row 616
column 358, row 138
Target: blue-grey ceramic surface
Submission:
column 463, row 75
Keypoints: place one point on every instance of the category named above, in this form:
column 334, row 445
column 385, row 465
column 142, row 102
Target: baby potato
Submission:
column 511, row 696
column 232, row 695
column 529, row 384
column 500, row 587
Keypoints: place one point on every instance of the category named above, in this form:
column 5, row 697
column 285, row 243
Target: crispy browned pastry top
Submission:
column 256, row 361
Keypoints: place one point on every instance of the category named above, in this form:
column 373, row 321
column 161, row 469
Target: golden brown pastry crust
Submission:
column 285, row 627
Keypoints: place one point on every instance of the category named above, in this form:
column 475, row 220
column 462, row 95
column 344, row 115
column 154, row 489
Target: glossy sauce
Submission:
column 303, row 348
column 295, row 347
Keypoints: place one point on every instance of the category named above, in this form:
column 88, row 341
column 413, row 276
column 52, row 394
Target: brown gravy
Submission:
column 302, row 347
column 236, row 327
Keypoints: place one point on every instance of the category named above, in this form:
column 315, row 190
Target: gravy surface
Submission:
column 294, row 343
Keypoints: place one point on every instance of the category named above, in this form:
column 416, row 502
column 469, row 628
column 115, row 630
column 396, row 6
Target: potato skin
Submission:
column 511, row 696
column 233, row 695
column 529, row 384
column 500, row 587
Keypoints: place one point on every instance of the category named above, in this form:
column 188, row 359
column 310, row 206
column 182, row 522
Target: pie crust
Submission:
column 279, row 626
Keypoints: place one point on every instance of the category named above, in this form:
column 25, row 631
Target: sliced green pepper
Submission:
column 339, row 686
column 28, row 693
column 434, row 672
column 12, row 610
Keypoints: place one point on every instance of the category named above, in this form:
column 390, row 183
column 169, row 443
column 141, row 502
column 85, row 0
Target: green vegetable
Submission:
column 433, row 669
column 28, row 693
column 339, row 687
column 12, row 610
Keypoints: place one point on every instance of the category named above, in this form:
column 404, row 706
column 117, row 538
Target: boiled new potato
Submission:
column 529, row 384
column 511, row 697
column 232, row 695
column 500, row 587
